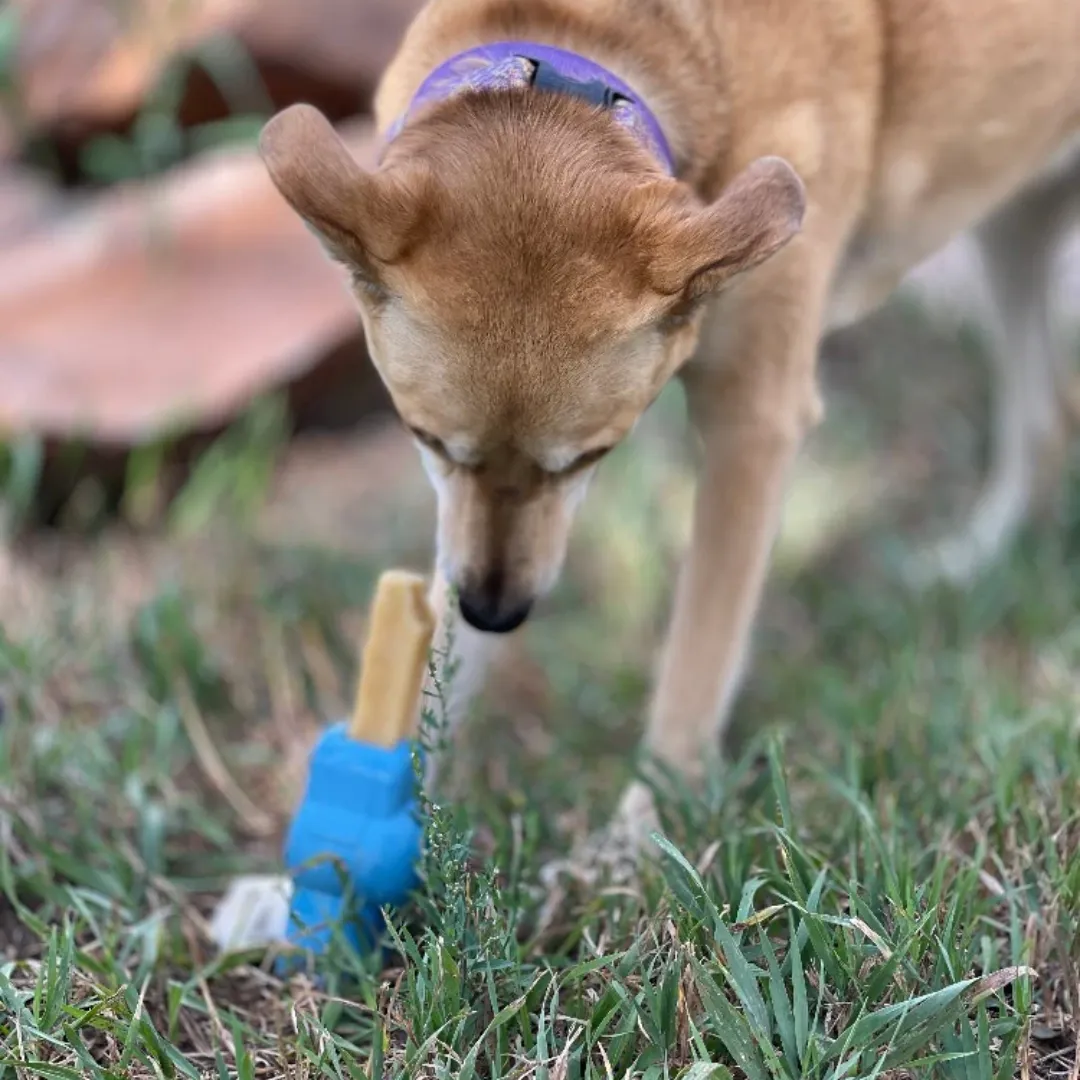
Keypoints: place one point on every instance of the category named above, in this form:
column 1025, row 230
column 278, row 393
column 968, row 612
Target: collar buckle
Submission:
column 594, row 92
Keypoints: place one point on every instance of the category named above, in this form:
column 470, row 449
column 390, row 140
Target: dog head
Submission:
column 528, row 280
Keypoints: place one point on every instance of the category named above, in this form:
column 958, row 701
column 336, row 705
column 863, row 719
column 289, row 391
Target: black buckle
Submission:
column 595, row 92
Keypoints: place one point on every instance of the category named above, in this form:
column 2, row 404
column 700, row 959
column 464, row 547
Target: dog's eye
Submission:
column 436, row 446
column 583, row 461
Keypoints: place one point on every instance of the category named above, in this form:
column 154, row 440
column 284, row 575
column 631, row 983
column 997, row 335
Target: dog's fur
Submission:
column 529, row 278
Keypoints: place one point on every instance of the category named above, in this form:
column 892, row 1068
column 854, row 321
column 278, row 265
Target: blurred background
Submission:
column 199, row 475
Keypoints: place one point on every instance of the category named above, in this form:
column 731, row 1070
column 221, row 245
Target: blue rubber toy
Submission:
column 360, row 808
column 354, row 843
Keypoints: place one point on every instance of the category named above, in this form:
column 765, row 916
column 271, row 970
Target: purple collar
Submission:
column 509, row 65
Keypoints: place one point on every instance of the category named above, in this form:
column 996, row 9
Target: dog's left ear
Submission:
column 754, row 217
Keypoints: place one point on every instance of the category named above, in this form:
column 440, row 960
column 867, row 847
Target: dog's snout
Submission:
column 486, row 607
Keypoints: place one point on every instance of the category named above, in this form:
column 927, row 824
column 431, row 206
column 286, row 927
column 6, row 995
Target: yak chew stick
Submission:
column 394, row 661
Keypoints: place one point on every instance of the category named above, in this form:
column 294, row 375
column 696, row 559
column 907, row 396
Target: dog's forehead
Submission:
column 539, row 245
column 519, row 382
column 554, row 283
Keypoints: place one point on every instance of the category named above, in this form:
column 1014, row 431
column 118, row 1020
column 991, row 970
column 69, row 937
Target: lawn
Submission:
column 883, row 881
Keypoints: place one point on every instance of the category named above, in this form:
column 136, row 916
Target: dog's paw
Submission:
column 959, row 560
column 613, row 855
column 953, row 563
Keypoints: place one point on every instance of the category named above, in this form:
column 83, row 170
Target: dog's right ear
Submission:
column 362, row 219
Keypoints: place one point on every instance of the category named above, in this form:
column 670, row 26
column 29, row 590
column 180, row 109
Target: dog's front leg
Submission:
column 737, row 506
column 751, row 408
column 461, row 657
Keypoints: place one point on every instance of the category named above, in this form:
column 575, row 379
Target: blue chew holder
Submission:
column 358, row 822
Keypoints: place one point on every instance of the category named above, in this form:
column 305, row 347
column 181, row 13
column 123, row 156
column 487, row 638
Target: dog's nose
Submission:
column 488, row 615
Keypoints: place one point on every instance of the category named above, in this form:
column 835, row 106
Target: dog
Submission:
column 580, row 200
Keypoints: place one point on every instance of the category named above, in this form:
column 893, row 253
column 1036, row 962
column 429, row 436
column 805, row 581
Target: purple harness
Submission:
column 512, row 65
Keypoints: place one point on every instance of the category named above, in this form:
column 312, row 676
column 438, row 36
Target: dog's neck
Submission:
column 519, row 65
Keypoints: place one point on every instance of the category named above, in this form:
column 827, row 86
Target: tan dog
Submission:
column 530, row 276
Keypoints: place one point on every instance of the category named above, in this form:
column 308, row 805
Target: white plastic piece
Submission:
column 253, row 913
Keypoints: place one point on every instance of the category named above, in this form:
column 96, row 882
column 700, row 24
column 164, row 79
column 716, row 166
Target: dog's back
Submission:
column 980, row 99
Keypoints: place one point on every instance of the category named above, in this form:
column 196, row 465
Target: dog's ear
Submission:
column 362, row 219
column 754, row 217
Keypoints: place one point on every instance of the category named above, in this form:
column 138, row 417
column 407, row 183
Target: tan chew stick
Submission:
column 394, row 661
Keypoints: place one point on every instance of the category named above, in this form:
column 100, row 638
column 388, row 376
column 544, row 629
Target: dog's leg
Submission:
column 462, row 657
column 736, row 513
column 752, row 411
column 747, row 449
column 1032, row 398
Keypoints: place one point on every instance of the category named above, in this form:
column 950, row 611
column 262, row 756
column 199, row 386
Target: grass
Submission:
column 884, row 880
